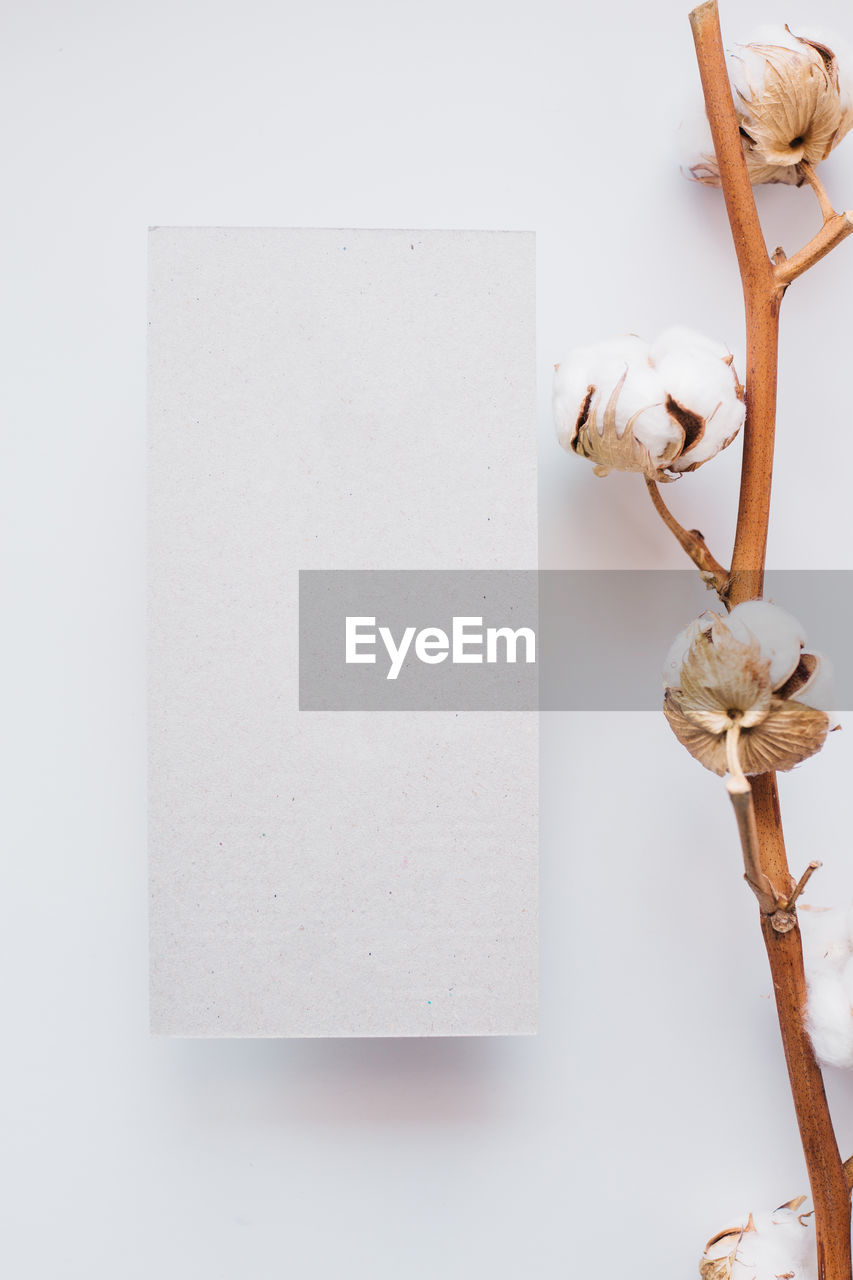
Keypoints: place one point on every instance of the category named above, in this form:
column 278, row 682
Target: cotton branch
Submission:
column 764, row 284
column 836, row 227
column 691, row 540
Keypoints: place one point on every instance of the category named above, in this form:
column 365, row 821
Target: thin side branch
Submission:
column 810, row 174
column 693, row 543
column 741, row 798
column 837, row 228
column 801, row 884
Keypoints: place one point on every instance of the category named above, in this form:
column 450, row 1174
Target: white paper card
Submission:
column 333, row 400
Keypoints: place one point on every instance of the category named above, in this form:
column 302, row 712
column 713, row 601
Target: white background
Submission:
column 653, row 1104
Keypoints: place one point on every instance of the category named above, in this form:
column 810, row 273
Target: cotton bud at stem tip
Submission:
column 660, row 409
column 737, row 692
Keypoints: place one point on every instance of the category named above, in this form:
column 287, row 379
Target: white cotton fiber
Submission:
column 781, row 637
column 828, row 957
column 766, row 1246
column 673, row 404
column 680, row 647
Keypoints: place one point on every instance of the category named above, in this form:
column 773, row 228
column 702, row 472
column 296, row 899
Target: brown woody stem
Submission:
column 693, row 543
column 763, row 287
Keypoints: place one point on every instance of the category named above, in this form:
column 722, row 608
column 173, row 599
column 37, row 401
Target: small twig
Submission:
column 740, row 794
column 826, row 206
column 741, row 798
column 833, row 231
column 836, row 227
column 691, row 540
column 801, row 884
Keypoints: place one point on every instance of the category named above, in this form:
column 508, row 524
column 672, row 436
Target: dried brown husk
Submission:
column 721, row 1268
column 723, row 681
column 612, row 451
column 718, row 1268
column 760, row 172
column 797, row 113
column 606, row 447
column 789, row 734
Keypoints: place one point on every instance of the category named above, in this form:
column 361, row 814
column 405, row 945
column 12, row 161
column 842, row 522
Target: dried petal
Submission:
column 708, row 748
column 789, row 734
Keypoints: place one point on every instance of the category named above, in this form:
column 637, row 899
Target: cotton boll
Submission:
column 613, row 406
column 788, row 98
column 793, row 101
column 725, row 687
column 781, row 637
column 764, row 1246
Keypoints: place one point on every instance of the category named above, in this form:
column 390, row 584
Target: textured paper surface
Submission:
column 333, row 400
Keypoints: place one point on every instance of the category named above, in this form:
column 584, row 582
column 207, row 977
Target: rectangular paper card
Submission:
column 334, row 401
